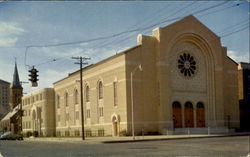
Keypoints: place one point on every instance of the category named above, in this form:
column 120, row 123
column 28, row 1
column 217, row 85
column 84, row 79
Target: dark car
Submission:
column 11, row 136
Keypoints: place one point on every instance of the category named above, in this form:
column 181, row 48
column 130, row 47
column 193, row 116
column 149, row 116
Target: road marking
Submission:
column 1, row 155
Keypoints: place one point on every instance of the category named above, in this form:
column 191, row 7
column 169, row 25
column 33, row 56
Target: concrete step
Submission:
column 220, row 130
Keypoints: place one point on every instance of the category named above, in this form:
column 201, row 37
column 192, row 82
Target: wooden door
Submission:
column 188, row 115
column 200, row 115
column 177, row 120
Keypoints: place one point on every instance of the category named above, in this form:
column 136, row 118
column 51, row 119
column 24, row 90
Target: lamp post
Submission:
column 132, row 100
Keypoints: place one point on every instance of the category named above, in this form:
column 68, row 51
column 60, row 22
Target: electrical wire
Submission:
column 121, row 33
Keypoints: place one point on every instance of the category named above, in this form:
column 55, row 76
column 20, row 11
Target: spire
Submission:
column 16, row 83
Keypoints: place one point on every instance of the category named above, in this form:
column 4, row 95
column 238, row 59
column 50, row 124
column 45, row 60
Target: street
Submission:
column 219, row 146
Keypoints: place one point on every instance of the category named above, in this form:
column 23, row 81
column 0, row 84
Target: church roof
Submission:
column 11, row 113
column 5, row 82
column 16, row 83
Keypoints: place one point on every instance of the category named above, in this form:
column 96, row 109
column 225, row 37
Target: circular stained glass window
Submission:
column 186, row 64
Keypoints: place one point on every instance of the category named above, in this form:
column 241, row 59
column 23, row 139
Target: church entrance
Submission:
column 177, row 122
column 188, row 115
column 200, row 114
column 115, row 122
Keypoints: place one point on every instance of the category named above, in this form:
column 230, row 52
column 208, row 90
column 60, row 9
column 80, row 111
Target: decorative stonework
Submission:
column 187, row 64
column 196, row 83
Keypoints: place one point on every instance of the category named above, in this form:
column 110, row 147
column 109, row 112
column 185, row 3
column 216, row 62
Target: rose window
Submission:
column 187, row 64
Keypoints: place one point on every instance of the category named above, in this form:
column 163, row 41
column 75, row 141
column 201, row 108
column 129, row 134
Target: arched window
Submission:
column 58, row 101
column 100, row 90
column 188, row 105
column 115, row 93
column 176, row 104
column 76, row 96
column 200, row 105
column 87, row 93
column 66, row 99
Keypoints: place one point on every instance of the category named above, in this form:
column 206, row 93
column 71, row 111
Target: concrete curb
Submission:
column 100, row 140
column 174, row 138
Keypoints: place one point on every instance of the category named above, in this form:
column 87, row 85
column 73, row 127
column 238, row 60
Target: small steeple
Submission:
column 16, row 83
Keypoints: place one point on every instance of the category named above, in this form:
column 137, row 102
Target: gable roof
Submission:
column 101, row 62
column 11, row 113
column 193, row 20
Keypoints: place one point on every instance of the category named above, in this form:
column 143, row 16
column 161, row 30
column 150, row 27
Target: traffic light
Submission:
column 33, row 77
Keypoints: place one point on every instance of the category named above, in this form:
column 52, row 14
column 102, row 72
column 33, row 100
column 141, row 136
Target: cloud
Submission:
column 84, row 44
column 237, row 56
column 8, row 29
column 8, row 42
column 9, row 33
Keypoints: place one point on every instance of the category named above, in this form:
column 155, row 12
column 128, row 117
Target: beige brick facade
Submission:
column 39, row 112
column 187, row 81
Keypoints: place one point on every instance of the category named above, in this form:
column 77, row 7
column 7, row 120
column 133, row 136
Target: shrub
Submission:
column 35, row 133
column 124, row 133
column 28, row 134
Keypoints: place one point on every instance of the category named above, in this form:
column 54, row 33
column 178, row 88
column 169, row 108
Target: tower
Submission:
column 16, row 89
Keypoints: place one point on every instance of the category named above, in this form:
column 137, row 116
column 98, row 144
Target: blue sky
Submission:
column 44, row 23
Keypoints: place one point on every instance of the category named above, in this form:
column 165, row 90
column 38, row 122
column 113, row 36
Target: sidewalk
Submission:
column 123, row 139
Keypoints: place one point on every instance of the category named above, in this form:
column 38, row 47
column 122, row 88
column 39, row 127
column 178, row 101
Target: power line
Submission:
column 118, row 34
column 228, row 34
column 121, row 33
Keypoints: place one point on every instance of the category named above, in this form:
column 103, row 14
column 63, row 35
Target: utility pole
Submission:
column 81, row 62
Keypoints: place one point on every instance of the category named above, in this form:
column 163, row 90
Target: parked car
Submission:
column 11, row 136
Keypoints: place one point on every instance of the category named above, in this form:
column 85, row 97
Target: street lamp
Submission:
column 132, row 100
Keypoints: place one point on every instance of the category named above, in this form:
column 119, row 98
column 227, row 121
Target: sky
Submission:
column 29, row 32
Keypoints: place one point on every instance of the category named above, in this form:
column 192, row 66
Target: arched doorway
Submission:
column 177, row 122
column 200, row 114
column 115, row 124
column 188, row 114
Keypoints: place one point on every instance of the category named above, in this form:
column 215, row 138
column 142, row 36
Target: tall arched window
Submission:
column 87, row 93
column 66, row 99
column 100, row 90
column 76, row 96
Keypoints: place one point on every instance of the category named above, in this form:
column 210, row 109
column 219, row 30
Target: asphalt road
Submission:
column 220, row 146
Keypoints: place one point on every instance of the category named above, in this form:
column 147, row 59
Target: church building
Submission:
column 12, row 120
column 179, row 77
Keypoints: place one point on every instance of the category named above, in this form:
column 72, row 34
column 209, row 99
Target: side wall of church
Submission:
column 100, row 113
column 231, row 97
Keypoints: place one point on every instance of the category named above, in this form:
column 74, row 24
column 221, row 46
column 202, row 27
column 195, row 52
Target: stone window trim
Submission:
column 66, row 99
column 100, row 112
column 88, row 114
column 100, row 90
column 87, row 95
column 58, row 101
column 77, row 116
column 115, row 93
column 76, row 97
